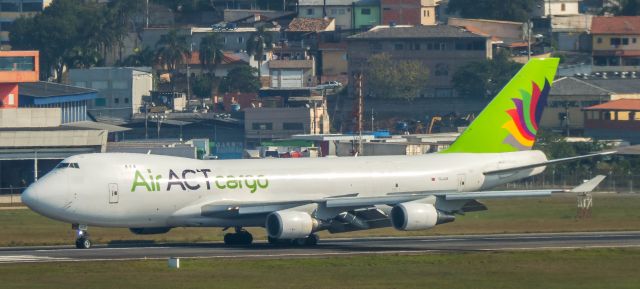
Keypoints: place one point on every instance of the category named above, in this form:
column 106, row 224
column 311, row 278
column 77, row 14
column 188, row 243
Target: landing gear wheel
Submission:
column 83, row 243
column 241, row 237
column 312, row 240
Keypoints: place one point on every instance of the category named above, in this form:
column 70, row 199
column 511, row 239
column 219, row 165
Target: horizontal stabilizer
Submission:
column 551, row 162
column 589, row 185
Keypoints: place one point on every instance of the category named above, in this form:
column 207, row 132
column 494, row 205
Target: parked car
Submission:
column 329, row 85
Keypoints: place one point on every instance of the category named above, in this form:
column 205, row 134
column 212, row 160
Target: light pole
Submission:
column 158, row 118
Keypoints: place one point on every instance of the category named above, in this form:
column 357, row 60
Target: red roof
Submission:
column 615, row 25
column 620, row 104
column 229, row 58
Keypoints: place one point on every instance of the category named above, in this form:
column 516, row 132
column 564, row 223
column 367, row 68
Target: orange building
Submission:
column 16, row 67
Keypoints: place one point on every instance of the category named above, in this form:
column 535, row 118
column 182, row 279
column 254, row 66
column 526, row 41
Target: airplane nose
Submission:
column 30, row 196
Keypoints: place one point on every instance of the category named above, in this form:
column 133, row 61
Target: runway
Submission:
column 326, row 247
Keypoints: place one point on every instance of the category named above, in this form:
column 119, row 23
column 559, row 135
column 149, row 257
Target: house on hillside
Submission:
column 441, row 49
column 409, row 12
column 616, row 45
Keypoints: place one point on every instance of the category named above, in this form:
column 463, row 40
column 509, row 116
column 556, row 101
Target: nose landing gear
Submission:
column 240, row 237
column 82, row 236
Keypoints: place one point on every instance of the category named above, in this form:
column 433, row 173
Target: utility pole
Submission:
column 360, row 108
column 529, row 24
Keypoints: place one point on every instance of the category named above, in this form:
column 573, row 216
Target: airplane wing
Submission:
column 550, row 162
column 353, row 201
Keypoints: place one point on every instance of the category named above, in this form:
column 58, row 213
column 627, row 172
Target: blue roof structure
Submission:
column 42, row 93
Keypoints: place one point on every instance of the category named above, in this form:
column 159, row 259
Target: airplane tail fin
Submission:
column 510, row 122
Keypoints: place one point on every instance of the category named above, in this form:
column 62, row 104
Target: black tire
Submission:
column 245, row 238
column 83, row 243
column 312, row 240
column 273, row 241
column 230, row 239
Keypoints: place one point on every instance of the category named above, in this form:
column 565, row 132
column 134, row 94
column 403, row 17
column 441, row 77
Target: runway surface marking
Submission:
column 326, row 248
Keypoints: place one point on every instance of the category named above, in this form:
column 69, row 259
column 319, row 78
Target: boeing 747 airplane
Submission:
column 295, row 198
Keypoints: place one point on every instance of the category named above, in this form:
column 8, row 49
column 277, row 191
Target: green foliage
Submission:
column 172, row 50
column 203, row 85
column 511, row 10
column 624, row 8
column 258, row 43
column 240, row 79
column 211, row 51
column 394, row 79
column 484, row 79
column 140, row 57
column 74, row 33
column 187, row 6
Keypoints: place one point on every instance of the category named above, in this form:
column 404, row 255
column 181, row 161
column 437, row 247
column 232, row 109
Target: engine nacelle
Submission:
column 417, row 216
column 150, row 231
column 290, row 224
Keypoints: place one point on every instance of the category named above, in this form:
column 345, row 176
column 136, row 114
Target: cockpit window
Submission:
column 67, row 165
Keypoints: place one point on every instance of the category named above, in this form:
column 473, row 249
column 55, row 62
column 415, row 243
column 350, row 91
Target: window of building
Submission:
column 119, row 84
column 31, row 6
column 126, row 100
column 444, row 92
column 17, row 63
column 563, row 7
column 116, row 100
column 615, row 41
column 442, row 69
column 341, row 11
column 262, row 126
column 365, row 11
column 414, row 46
column 599, row 40
column 625, row 41
column 429, row 46
column 398, row 46
column 240, row 39
column 10, row 7
column 101, row 102
column 309, row 11
column 5, row 25
column 333, row 11
column 633, row 40
column 293, row 126
column 100, row 84
column 375, row 46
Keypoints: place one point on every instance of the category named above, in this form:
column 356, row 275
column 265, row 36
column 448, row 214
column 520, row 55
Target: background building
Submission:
column 10, row 10
column 409, row 12
column 440, row 48
column 120, row 90
column 616, row 45
column 16, row 67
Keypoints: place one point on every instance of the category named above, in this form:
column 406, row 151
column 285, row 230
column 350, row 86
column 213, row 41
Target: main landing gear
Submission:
column 310, row 240
column 240, row 237
column 82, row 237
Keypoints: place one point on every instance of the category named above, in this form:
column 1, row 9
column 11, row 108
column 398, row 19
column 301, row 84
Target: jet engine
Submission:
column 290, row 225
column 150, row 231
column 417, row 216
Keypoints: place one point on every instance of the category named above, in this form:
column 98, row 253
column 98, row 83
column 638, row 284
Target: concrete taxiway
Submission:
column 326, row 247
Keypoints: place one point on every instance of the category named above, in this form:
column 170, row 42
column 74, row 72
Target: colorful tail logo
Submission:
column 525, row 117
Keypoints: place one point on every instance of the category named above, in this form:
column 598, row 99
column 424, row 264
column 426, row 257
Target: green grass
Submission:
column 598, row 268
column 611, row 212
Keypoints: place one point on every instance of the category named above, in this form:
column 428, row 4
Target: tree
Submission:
column 240, row 79
column 203, row 85
column 258, row 43
column 511, row 10
column 387, row 78
column 624, row 8
column 72, row 33
column 211, row 52
column 172, row 51
column 484, row 79
column 140, row 57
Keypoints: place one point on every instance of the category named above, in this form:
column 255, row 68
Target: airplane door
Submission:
column 462, row 178
column 113, row 194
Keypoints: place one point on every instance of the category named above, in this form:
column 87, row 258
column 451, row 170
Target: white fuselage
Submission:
column 137, row 190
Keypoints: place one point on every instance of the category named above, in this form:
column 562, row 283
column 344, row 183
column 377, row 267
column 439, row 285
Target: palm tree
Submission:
column 258, row 43
column 211, row 52
column 140, row 57
column 173, row 50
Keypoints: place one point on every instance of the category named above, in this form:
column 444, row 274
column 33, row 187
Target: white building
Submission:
column 120, row 90
column 557, row 7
